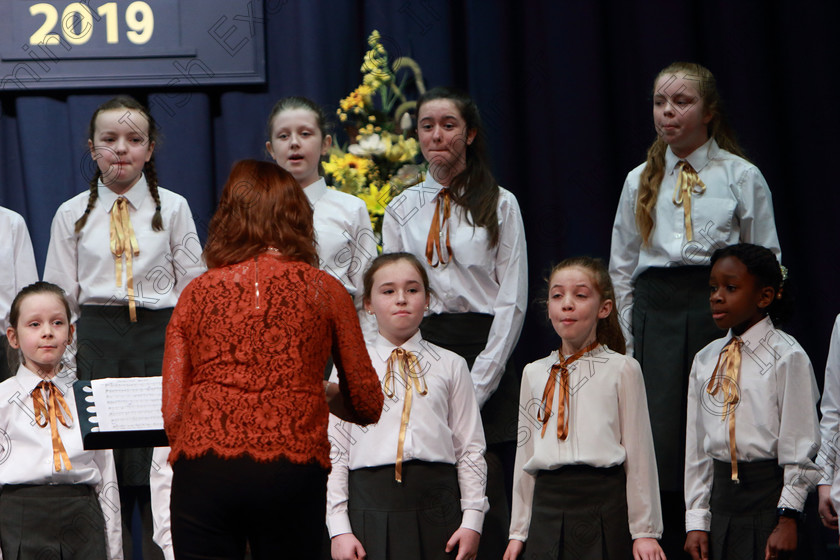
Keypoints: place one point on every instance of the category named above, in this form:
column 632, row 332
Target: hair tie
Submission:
column 157, row 207
column 784, row 272
column 87, row 210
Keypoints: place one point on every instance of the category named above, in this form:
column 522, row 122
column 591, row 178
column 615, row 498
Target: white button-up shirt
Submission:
column 479, row 278
column 735, row 207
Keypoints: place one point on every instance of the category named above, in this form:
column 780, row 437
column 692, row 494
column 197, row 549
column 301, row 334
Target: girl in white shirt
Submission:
column 694, row 194
column 17, row 269
column 752, row 430
column 585, row 482
column 396, row 488
column 470, row 233
column 829, row 485
column 123, row 251
column 297, row 139
column 56, row 498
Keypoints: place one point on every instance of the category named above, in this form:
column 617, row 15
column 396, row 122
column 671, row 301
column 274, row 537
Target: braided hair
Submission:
column 763, row 265
column 125, row 102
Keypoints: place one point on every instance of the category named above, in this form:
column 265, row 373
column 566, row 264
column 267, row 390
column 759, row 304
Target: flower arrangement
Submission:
column 379, row 161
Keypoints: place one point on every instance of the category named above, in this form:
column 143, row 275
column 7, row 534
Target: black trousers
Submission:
column 218, row 505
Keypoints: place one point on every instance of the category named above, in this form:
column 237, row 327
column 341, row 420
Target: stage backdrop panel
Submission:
column 130, row 43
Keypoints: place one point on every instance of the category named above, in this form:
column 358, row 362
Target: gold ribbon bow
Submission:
column 124, row 243
column 688, row 183
column 51, row 414
column 548, row 394
column 725, row 380
column 436, row 233
column 406, row 364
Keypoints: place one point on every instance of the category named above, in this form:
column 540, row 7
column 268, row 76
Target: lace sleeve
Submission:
column 177, row 365
column 357, row 379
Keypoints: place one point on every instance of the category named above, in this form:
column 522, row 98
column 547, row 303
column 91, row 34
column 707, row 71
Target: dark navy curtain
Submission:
column 564, row 88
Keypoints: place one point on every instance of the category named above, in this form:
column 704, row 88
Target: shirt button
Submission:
column 677, row 235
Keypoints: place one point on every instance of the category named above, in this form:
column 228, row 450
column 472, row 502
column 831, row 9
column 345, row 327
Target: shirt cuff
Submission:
column 168, row 552
column 656, row 536
column 473, row 519
column 793, row 498
column 698, row 520
column 339, row 524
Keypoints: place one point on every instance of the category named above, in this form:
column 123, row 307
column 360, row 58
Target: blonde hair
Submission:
column 718, row 128
column 608, row 332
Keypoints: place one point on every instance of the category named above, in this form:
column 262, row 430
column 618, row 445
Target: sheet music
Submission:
column 132, row 403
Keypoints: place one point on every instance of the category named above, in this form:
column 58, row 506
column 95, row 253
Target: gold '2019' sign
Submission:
column 76, row 23
column 60, row 44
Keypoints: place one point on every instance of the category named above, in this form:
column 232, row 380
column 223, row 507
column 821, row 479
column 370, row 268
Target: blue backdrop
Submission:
column 564, row 87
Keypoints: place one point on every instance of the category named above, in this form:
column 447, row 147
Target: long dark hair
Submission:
column 474, row 188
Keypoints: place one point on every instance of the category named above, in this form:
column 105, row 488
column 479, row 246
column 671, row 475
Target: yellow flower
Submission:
column 376, row 199
column 398, row 148
column 373, row 40
column 359, row 99
column 349, row 171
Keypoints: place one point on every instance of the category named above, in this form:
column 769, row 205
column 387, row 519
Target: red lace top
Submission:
column 244, row 362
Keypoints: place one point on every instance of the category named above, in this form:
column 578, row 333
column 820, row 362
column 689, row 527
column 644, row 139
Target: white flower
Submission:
column 405, row 121
column 370, row 145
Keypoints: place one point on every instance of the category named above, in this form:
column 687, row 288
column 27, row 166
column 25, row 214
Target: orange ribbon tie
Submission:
column 406, row 364
column 725, row 379
column 124, row 243
column 436, row 232
column 51, row 414
column 688, row 183
column 548, row 393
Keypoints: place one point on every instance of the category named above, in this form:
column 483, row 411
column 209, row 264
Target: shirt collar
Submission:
column 315, row 191
column 430, row 186
column 555, row 355
column 698, row 159
column 28, row 379
column 384, row 347
column 135, row 195
column 753, row 336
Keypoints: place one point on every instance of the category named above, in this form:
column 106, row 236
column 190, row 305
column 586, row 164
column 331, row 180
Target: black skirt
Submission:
column 466, row 335
column 580, row 513
column 744, row 514
column 110, row 345
column 409, row 520
column 52, row 521
column 671, row 323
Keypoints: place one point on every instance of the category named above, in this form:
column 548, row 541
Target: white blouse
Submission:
column 776, row 418
column 84, row 266
column 17, row 262
column 830, row 407
column 608, row 426
column 479, row 279
column 444, row 427
column 736, row 207
column 346, row 244
column 26, row 450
